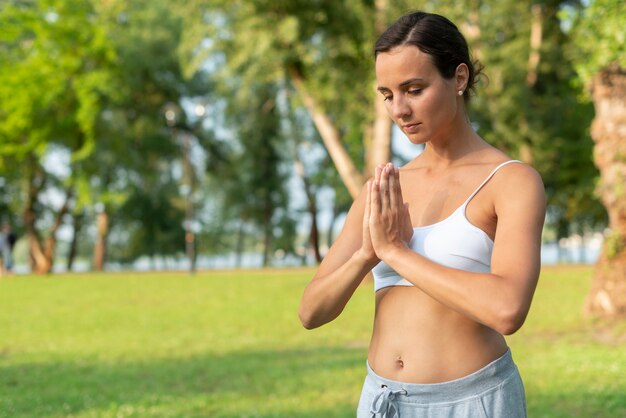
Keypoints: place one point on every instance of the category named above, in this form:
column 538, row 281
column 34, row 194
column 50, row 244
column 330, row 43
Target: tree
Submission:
column 88, row 81
column 256, row 187
column 135, row 143
column 320, row 48
column 54, row 67
column 529, row 107
column 601, row 40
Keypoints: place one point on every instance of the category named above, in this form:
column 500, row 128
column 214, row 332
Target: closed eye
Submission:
column 414, row 92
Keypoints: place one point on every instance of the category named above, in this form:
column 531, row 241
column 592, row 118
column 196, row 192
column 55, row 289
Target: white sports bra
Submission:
column 453, row 242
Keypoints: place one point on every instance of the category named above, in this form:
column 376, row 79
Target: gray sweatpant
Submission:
column 495, row 391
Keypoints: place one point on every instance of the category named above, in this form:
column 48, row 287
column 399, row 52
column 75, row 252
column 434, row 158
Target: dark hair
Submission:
column 436, row 36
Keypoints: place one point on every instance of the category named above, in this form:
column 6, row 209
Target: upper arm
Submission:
column 520, row 206
column 349, row 239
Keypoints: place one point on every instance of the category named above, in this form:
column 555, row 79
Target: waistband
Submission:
column 488, row 378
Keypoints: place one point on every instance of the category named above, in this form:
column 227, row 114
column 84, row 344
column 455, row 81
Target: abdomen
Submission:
column 417, row 339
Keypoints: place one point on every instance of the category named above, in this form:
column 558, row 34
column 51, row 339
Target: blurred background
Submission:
column 161, row 135
column 225, row 136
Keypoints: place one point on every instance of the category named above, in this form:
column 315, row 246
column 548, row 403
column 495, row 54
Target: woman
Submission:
column 456, row 266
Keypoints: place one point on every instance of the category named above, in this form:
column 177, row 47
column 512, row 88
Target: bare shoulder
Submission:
column 519, row 174
column 518, row 183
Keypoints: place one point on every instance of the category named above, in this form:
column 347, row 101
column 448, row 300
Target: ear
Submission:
column 461, row 77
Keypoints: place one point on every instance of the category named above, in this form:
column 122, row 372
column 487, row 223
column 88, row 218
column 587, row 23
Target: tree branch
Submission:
column 350, row 176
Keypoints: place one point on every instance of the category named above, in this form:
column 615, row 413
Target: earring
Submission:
column 460, row 93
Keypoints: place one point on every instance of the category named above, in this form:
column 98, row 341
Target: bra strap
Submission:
column 489, row 178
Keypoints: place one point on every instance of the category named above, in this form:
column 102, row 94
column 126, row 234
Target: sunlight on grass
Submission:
column 229, row 344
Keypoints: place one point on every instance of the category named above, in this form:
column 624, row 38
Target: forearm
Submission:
column 486, row 298
column 326, row 296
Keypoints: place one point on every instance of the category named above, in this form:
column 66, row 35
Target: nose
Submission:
column 400, row 109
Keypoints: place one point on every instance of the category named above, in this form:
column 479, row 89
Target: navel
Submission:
column 399, row 362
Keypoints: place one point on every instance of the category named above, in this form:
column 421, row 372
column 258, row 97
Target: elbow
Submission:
column 307, row 319
column 510, row 321
column 314, row 318
column 509, row 327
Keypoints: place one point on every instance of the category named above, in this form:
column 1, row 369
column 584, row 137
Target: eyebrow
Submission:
column 403, row 84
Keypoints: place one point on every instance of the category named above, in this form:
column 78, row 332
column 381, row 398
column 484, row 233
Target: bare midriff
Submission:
column 418, row 340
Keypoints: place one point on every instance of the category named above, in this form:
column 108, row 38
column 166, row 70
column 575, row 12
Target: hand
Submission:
column 389, row 221
column 367, row 249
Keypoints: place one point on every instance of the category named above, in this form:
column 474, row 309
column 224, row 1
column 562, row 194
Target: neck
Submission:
column 456, row 144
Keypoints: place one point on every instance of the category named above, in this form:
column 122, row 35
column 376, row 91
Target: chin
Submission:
column 417, row 139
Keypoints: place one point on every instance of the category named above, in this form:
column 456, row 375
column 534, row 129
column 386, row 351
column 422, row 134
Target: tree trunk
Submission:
column 240, row 244
column 41, row 253
column 42, row 256
column 378, row 149
column 267, row 233
column 311, row 206
column 33, row 186
column 314, row 235
column 352, row 179
column 99, row 251
column 331, row 226
column 376, row 140
column 607, row 296
column 78, row 224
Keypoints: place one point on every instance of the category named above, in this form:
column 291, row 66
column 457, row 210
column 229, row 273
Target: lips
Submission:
column 411, row 127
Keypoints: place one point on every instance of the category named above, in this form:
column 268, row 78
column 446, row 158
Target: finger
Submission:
column 375, row 205
column 399, row 199
column 377, row 172
column 384, row 189
column 368, row 202
column 393, row 190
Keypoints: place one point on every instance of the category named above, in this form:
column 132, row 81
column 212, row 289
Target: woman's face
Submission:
column 420, row 101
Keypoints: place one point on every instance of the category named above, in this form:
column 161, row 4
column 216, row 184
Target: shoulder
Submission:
column 519, row 185
column 517, row 173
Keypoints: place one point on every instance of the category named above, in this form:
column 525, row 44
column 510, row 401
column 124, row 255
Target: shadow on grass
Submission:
column 316, row 382
column 281, row 384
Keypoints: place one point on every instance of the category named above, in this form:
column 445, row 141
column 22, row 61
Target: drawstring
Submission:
column 386, row 400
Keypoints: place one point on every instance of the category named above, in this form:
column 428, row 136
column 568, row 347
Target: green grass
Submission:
column 228, row 344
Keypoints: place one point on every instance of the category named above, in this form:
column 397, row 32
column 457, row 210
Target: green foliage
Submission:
column 55, row 70
column 330, row 45
column 600, row 37
column 228, row 344
column 91, row 79
column 329, row 42
column 254, row 185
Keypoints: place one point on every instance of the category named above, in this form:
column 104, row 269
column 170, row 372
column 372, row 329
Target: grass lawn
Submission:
column 228, row 344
